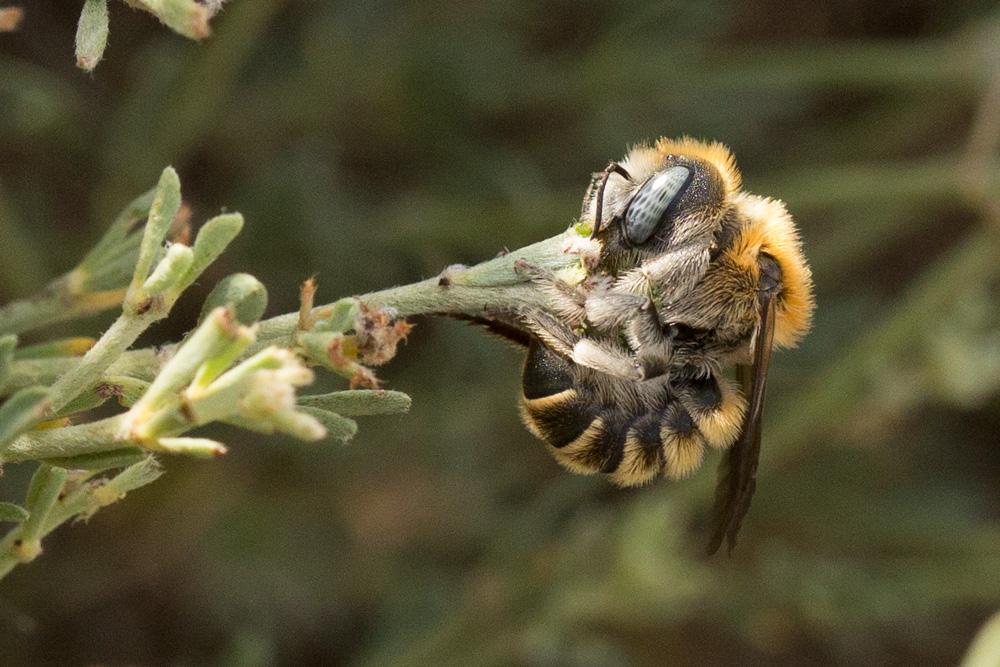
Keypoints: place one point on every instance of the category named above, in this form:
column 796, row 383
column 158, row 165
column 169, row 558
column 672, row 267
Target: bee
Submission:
column 689, row 277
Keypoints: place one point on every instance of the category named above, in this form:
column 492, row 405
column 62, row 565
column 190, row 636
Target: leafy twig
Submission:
column 153, row 290
column 229, row 369
column 23, row 543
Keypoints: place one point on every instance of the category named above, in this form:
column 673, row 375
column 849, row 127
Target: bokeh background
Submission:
column 373, row 143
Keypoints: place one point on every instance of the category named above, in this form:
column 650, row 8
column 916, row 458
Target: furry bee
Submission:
column 689, row 276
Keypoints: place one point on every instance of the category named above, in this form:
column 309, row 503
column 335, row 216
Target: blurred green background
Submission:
column 374, row 143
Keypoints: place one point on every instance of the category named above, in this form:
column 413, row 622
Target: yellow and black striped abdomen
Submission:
column 588, row 435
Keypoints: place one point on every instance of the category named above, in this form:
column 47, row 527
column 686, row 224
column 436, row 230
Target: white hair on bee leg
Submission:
column 607, row 309
column 605, row 359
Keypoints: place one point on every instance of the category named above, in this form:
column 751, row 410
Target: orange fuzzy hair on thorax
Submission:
column 715, row 153
column 770, row 230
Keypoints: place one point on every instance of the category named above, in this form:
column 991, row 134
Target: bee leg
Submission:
column 653, row 346
column 637, row 315
column 609, row 309
column 562, row 340
column 672, row 274
column 567, row 301
column 553, row 333
column 606, row 359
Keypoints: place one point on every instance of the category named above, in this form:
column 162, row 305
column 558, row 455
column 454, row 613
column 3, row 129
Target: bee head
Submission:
column 675, row 191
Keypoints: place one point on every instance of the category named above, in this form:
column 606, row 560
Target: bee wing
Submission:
column 738, row 471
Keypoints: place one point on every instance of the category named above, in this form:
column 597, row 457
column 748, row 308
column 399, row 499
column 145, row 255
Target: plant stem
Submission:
column 142, row 363
column 492, row 286
column 103, row 435
column 125, row 330
column 83, row 501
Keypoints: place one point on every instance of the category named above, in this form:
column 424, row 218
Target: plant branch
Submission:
column 492, row 286
column 125, row 330
column 88, row 438
column 82, row 501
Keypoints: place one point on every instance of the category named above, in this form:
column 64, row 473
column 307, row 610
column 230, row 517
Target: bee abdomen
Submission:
column 665, row 440
column 545, row 373
column 559, row 419
column 642, row 456
column 683, row 443
column 632, row 449
column 584, row 436
column 599, row 448
column 716, row 407
column 588, row 436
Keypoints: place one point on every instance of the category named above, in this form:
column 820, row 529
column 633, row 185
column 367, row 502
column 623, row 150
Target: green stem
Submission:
column 83, row 501
column 490, row 286
column 56, row 443
column 144, row 363
column 125, row 330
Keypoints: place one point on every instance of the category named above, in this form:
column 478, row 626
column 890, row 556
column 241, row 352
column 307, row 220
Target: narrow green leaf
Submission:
column 98, row 461
column 85, row 499
column 338, row 428
column 170, row 270
column 88, row 400
column 359, row 402
column 242, row 293
column 165, row 205
column 89, row 498
column 115, row 268
column 115, row 239
column 11, row 513
column 201, row 448
column 22, row 411
column 126, row 389
column 40, row 490
column 43, row 492
column 136, row 475
column 212, row 239
column 91, row 34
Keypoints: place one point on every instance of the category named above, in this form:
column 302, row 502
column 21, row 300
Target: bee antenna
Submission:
column 612, row 168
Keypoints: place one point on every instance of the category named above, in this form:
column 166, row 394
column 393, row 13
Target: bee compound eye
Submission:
column 650, row 206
